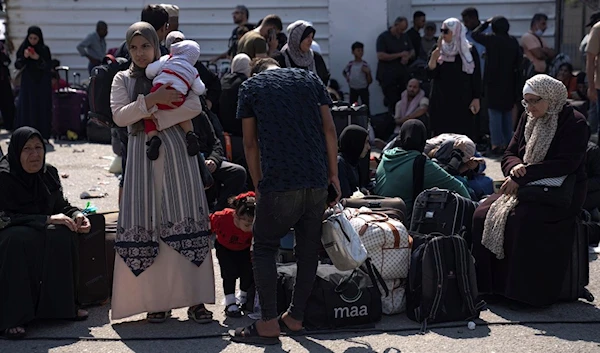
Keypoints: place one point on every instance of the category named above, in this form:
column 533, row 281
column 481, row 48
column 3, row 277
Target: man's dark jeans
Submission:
column 276, row 213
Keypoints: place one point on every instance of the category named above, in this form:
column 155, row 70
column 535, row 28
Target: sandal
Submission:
column 15, row 334
column 233, row 313
column 158, row 317
column 249, row 335
column 288, row 331
column 200, row 314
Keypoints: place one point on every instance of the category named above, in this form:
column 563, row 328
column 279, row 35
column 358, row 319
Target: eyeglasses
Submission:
column 444, row 30
column 531, row 102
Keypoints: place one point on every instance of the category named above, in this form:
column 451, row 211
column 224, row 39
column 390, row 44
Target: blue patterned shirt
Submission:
column 286, row 104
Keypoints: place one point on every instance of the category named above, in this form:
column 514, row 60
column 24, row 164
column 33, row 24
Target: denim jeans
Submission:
column 276, row 213
column 500, row 127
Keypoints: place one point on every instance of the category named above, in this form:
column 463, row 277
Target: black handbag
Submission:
column 551, row 194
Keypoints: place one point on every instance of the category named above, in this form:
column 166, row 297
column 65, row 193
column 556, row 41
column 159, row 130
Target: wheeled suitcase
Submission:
column 443, row 211
column 577, row 275
column 109, row 245
column 393, row 207
column 93, row 277
column 70, row 107
column 344, row 115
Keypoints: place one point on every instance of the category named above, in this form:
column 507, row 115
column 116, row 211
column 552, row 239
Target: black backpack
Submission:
column 100, row 86
column 443, row 211
column 442, row 286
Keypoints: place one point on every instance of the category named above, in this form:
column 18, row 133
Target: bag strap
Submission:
column 418, row 175
column 441, row 283
column 396, row 234
column 462, row 262
column 375, row 276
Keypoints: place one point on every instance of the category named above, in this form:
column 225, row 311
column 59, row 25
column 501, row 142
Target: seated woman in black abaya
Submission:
column 38, row 239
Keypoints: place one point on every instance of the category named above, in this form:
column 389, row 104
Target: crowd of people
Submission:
column 271, row 115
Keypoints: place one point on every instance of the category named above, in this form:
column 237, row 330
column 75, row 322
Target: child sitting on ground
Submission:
column 176, row 70
column 233, row 228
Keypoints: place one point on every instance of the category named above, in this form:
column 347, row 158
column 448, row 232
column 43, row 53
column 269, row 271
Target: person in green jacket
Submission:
column 395, row 172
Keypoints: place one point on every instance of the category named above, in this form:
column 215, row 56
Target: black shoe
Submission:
column 193, row 145
column 153, row 147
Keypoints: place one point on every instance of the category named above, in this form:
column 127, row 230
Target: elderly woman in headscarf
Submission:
column 38, row 238
column 163, row 256
column 354, row 145
column 501, row 78
column 35, row 94
column 297, row 51
column 230, row 85
column 405, row 163
column 456, row 76
column 522, row 246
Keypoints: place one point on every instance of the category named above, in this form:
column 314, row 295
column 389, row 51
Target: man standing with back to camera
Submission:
column 291, row 148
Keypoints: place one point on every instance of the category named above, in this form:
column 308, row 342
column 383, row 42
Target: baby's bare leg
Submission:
column 187, row 126
column 151, row 134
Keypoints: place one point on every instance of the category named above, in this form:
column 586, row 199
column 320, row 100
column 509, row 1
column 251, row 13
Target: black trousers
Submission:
column 234, row 265
column 362, row 93
column 230, row 180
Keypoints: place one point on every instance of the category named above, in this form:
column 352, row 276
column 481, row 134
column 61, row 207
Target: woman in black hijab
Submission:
column 38, row 238
column 35, row 94
column 354, row 145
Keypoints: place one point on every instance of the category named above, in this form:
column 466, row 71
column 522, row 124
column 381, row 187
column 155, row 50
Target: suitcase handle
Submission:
column 64, row 69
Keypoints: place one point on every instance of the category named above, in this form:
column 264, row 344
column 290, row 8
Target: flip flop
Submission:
column 288, row 331
column 249, row 335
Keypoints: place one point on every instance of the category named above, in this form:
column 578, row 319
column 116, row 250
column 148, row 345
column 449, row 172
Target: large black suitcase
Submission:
column 93, row 277
column 343, row 115
column 443, row 211
column 578, row 269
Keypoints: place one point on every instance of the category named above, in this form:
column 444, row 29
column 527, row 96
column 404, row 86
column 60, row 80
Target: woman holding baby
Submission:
column 163, row 258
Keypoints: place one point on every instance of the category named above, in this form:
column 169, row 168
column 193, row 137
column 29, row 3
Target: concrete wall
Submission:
column 360, row 21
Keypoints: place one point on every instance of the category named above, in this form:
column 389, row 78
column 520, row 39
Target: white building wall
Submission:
column 360, row 21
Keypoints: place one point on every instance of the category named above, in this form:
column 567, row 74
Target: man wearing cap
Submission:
column 428, row 41
column 240, row 17
column 173, row 11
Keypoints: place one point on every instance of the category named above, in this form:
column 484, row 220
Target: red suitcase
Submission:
column 70, row 107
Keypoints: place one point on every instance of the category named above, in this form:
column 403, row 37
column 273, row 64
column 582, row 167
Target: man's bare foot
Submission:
column 291, row 323
column 268, row 328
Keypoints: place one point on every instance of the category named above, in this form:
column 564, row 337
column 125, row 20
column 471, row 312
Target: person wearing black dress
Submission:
column 38, row 239
column 456, row 76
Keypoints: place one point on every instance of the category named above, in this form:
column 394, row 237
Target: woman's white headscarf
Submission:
column 458, row 46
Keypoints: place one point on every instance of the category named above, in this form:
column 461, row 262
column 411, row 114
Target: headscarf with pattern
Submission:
column 297, row 32
column 458, row 46
column 539, row 133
